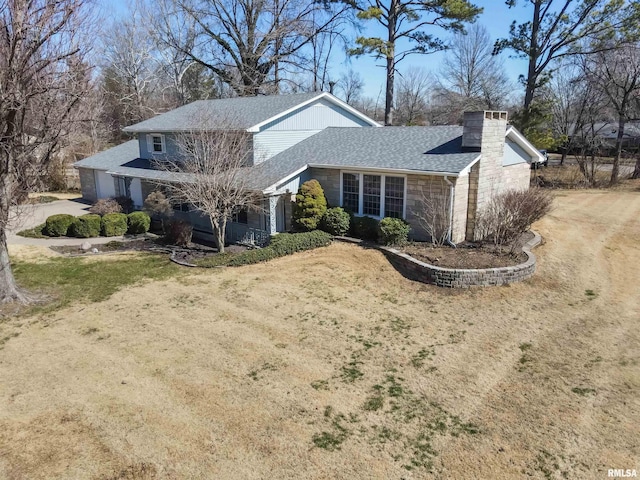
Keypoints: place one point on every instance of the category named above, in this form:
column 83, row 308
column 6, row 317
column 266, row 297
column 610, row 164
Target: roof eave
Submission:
column 521, row 140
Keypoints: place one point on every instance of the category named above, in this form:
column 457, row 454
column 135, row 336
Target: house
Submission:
column 369, row 169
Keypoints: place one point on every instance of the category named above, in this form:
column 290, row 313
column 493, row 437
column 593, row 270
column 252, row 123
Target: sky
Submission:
column 496, row 17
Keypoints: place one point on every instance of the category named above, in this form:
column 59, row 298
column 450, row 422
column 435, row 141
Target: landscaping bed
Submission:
column 469, row 255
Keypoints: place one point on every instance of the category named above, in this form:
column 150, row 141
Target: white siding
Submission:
column 514, row 154
column 295, row 127
column 316, row 116
column 270, row 143
column 105, row 187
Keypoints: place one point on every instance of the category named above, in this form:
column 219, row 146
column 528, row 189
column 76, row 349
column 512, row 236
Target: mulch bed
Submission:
column 148, row 244
column 468, row 255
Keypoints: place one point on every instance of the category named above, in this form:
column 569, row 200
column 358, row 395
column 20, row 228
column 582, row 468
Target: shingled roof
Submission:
column 419, row 149
column 435, row 150
column 241, row 112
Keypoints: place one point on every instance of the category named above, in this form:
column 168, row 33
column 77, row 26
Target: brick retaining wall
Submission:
column 462, row 278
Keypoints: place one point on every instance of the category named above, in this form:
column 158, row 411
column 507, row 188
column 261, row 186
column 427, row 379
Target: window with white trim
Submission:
column 373, row 195
column 155, row 143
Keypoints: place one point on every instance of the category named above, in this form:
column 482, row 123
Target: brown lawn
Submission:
column 330, row 364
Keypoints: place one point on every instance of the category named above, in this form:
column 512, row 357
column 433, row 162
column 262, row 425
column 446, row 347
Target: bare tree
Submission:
column 617, row 74
column 556, row 27
column 412, row 96
column 211, row 172
column 243, row 42
column 351, row 85
column 433, row 214
column 131, row 73
column 39, row 59
column 472, row 78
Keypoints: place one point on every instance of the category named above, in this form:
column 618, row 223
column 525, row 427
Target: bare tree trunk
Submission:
column 616, row 159
column 9, row 291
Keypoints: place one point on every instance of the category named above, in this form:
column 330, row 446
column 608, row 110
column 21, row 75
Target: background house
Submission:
column 369, row 169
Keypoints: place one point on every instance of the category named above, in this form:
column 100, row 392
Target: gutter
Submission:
column 452, row 193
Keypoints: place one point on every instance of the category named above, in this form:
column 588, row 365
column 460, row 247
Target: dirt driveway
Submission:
column 330, row 364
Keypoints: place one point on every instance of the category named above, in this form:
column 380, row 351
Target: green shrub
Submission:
column 114, row 224
column 281, row 245
column 35, row 232
column 310, row 205
column 288, row 243
column 336, row 221
column 139, row 222
column 365, row 228
column 58, row 225
column 393, row 231
column 86, row 226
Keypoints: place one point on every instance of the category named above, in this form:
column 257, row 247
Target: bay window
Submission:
column 373, row 195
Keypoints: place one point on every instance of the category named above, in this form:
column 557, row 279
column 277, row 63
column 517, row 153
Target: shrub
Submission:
column 158, row 207
column 310, row 205
column 36, row 232
column 126, row 204
column 179, row 233
column 336, row 221
column 86, row 226
column 105, row 206
column 58, row 225
column 288, row 243
column 139, row 222
column 365, row 228
column 510, row 214
column 281, row 245
column 393, row 231
column 114, row 224
column 432, row 213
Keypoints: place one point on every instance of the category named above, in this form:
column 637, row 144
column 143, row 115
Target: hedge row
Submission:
column 281, row 245
column 91, row 225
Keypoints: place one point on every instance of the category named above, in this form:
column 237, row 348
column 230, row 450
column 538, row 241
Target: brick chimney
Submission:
column 483, row 132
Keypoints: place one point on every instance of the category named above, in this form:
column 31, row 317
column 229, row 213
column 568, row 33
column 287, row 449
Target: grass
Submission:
column 583, row 391
column 71, row 280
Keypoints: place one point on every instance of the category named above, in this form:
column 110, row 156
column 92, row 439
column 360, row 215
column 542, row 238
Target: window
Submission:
column 240, row 216
column 373, row 195
column 393, row 197
column 155, row 143
column 351, row 192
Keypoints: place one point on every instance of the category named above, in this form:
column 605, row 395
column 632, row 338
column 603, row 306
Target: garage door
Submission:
column 105, row 187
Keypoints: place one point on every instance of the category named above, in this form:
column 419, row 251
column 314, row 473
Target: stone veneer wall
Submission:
column 463, row 278
column 88, row 184
column 416, row 185
column 516, row 177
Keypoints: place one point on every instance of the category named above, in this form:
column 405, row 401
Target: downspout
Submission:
column 452, row 193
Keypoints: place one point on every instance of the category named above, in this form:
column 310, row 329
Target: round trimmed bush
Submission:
column 365, row 228
column 139, row 222
column 86, row 226
column 393, row 231
column 336, row 221
column 114, row 224
column 58, row 225
column 310, row 205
